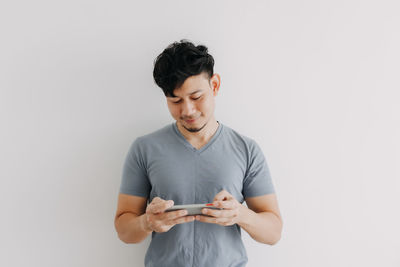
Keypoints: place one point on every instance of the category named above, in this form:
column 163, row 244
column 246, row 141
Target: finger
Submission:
column 159, row 207
column 220, row 213
column 184, row 219
column 226, row 204
column 223, row 195
column 220, row 221
column 172, row 215
column 206, row 219
column 156, row 200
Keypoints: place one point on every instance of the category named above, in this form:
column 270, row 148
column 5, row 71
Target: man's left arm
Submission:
column 261, row 218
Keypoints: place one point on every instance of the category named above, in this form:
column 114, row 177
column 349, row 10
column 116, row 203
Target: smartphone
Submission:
column 193, row 209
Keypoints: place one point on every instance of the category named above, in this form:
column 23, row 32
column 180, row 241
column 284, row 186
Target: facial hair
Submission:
column 194, row 130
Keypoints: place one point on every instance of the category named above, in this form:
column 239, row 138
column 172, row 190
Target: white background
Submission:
column 315, row 83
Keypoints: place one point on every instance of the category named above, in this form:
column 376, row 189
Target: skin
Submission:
column 195, row 100
column 193, row 109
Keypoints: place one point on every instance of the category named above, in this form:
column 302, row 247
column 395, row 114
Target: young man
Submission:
column 195, row 160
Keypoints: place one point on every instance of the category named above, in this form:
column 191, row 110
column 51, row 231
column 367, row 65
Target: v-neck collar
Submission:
column 185, row 142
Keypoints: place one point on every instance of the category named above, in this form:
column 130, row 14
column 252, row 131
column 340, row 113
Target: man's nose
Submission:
column 188, row 108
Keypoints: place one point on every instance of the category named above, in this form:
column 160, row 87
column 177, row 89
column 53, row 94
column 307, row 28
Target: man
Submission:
column 195, row 160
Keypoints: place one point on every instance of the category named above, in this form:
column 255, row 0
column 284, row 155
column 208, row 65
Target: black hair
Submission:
column 179, row 61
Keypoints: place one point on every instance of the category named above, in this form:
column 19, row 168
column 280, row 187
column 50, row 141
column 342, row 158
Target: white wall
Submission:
column 315, row 83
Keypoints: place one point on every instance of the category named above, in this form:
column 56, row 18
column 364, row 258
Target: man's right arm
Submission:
column 130, row 218
column 135, row 220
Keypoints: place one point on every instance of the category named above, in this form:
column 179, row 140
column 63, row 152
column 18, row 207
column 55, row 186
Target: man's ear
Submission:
column 215, row 82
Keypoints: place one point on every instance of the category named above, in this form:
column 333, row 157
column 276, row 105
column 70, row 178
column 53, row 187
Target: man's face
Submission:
column 194, row 104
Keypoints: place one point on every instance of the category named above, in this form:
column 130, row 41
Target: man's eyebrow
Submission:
column 196, row 92
column 189, row 94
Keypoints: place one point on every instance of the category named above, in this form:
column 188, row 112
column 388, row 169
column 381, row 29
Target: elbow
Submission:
column 277, row 234
column 128, row 232
column 124, row 236
column 274, row 240
column 126, row 239
column 270, row 239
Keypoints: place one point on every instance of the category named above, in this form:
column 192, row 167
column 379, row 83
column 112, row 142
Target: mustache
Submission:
column 189, row 118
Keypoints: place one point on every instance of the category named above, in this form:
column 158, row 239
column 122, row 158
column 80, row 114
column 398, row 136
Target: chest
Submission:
column 188, row 177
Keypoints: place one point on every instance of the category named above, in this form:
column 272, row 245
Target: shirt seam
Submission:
column 193, row 149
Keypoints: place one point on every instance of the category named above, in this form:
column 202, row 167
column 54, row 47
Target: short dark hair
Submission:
column 179, row 61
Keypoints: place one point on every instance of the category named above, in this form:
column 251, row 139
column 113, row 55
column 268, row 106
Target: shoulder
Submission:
column 156, row 135
column 239, row 139
column 155, row 138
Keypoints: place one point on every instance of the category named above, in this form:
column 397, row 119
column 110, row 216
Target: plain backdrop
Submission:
column 315, row 83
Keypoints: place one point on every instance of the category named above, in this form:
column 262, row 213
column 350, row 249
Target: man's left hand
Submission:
column 232, row 210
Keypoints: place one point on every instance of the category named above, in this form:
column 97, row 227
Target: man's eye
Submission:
column 196, row 98
column 176, row 102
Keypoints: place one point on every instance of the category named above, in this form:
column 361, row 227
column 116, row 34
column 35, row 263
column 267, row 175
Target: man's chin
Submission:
column 194, row 129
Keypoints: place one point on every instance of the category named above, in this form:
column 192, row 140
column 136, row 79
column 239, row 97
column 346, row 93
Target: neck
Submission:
column 201, row 136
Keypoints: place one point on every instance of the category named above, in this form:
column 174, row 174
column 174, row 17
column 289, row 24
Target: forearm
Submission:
column 264, row 227
column 132, row 228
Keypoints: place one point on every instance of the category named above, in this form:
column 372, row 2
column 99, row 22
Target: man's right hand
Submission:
column 156, row 219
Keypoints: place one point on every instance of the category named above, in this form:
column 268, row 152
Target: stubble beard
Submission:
column 194, row 130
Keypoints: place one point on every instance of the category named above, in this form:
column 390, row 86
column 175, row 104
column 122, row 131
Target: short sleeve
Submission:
column 134, row 175
column 257, row 181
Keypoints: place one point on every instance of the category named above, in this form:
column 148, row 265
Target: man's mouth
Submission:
column 190, row 121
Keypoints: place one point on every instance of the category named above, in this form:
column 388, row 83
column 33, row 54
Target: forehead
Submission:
column 192, row 84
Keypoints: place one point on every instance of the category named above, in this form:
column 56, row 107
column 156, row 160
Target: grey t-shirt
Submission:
column 165, row 164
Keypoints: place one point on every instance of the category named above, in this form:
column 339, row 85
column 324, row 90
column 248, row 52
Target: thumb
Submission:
column 221, row 196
